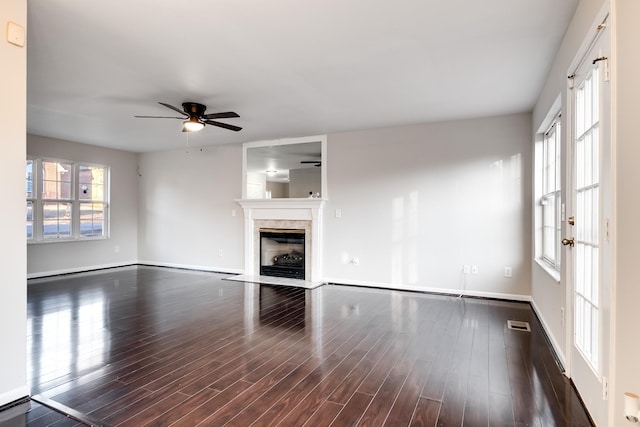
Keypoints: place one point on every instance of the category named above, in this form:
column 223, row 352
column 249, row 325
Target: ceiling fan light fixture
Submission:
column 194, row 119
column 192, row 124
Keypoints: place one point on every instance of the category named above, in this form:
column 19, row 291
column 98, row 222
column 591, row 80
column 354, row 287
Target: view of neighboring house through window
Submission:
column 91, row 193
column 56, row 199
column 550, row 199
column 66, row 201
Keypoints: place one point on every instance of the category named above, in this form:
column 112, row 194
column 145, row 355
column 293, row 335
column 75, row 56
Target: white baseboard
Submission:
column 78, row 269
column 444, row 291
column 559, row 351
column 13, row 395
column 90, row 268
column 193, row 267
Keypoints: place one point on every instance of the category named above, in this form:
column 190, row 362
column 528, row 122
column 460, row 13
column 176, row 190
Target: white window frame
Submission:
column 32, row 199
column 551, row 170
column 587, row 291
column 74, row 200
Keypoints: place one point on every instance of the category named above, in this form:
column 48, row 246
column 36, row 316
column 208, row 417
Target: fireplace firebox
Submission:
column 282, row 253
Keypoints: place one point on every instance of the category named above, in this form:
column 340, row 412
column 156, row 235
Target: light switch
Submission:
column 15, row 34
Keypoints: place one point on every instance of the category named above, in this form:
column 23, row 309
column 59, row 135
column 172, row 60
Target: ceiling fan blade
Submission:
column 174, row 108
column 158, row 117
column 227, row 115
column 222, row 125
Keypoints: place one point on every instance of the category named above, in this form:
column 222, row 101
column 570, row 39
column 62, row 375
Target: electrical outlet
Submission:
column 233, row 212
column 561, row 316
column 338, row 213
column 474, row 269
column 466, row 269
column 220, row 252
column 605, row 388
column 117, row 249
column 508, row 272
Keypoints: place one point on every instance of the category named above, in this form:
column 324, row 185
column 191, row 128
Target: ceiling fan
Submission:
column 316, row 163
column 194, row 119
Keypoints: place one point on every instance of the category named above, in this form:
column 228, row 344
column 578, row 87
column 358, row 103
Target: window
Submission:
column 30, row 198
column 91, row 181
column 587, row 195
column 66, row 200
column 550, row 199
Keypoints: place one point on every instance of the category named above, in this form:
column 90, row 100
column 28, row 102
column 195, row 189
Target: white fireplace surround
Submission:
column 284, row 213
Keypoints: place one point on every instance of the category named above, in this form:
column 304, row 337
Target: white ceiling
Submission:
column 280, row 159
column 288, row 67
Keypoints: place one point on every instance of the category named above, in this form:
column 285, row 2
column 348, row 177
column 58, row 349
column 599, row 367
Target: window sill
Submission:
column 551, row 271
column 80, row 239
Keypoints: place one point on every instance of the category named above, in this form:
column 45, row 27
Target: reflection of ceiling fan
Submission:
column 316, row 163
column 194, row 118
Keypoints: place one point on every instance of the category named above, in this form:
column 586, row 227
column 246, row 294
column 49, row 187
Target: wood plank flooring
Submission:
column 149, row 346
column 34, row 414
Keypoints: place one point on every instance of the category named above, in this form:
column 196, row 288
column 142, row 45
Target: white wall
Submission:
column 13, row 125
column 305, row 180
column 438, row 195
column 547, row 293
column 419, row 202
column 186, row 205
column 279, row 190
column 49, row 258
column 626, row 298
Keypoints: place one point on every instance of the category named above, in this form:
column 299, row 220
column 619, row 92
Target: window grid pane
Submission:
column 56, row 220
column 56, row 181
column 91, row 183
column 586, row 253
column 29, row 176
column 70, row 202
column 91, row 219
column 551, row 198
column 29, row 220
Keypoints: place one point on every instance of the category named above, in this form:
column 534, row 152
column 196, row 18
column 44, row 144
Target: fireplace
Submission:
column 282, row 253
column 288, row 214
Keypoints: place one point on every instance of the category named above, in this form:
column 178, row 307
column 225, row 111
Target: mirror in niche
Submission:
column 284, row 169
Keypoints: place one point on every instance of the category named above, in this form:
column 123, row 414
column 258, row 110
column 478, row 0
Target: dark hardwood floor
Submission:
column 150, row 346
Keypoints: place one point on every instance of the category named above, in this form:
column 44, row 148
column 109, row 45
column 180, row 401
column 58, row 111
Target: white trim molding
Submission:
column 83, row 269
column 559, row 350
column 283, row 210
column 15, row 394
column 439, row 291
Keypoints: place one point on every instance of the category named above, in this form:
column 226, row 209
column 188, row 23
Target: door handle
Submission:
column 568, row 242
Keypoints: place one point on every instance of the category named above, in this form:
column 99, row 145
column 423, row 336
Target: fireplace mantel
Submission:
column 283, row 210
column 306, row 203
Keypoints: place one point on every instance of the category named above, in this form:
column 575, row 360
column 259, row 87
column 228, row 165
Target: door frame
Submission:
column 568, row 209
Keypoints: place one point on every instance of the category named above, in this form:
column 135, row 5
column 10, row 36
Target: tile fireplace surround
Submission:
column 302, row 214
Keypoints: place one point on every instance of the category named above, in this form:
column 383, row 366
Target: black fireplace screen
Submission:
column 282, row 253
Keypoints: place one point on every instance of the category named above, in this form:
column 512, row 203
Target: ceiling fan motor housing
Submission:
column 196, row 117
column 193, row 108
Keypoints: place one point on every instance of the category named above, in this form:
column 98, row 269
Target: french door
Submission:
column 588, row 251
